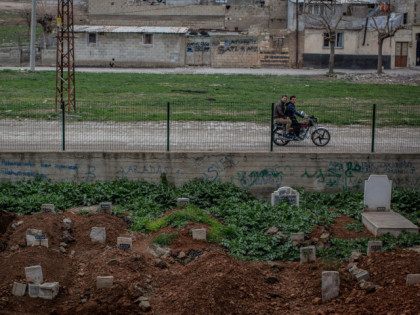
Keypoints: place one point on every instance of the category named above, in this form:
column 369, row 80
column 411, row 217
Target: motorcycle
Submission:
column 320, row 136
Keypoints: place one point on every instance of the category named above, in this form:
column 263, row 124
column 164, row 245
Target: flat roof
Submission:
column 129, row 29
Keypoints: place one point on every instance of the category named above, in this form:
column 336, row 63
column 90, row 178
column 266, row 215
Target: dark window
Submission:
column 326, row 40
column 405, row 18
column 339, row 40
column 92, row 38
column 148, row 39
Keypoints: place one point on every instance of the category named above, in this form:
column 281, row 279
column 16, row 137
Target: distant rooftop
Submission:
column 129, row 29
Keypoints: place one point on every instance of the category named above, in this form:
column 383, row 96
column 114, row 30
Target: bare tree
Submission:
column 386, row 23
column 325, row 15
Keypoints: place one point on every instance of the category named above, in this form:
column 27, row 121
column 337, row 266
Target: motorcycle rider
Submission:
column 279, row 113
column 291, row 113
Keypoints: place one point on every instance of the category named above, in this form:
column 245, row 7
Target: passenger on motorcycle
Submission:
column 291, row 113
column 279, row 113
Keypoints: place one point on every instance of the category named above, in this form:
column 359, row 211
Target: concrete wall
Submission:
column 234, row 52
column 128, row 50
column 262, row 173
column 10, row 56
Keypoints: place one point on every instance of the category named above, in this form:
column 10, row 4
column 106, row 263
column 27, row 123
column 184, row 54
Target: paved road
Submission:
column 191, row 136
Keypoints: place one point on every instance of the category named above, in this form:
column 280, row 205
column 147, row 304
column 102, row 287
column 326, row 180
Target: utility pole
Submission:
column 297, row 34
column 65, row 71
column 33, row 36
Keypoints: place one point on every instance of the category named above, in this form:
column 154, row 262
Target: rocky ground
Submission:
column 189, row 277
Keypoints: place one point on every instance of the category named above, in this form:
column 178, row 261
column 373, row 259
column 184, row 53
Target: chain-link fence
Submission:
column 201, row 126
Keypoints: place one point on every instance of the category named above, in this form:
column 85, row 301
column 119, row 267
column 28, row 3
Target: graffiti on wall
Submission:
column 198, row 46
column 243, row 45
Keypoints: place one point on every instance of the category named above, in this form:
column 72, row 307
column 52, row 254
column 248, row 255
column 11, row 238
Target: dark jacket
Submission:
column 292, row 112
column 279, row 110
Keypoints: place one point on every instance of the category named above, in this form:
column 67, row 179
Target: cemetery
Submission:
column 207, row 247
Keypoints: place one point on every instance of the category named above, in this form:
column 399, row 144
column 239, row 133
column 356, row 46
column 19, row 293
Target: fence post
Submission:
column 63, row 126
column 271, row 127
column 168, row 123
column 372, row 149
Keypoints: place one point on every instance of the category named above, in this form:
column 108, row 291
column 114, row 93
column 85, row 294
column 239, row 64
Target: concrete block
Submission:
column 44, row 242
column 285, row 194
column 307, row 254
column 330, row 285
column 103, row 282
column 98, row 234
column 34, row 237
column 359, row 274
column 33, row 290
column 125, row 243
column 48, row 290
column 19, row 289
column 413, row 278
column 105, row 207
column 182, row 202
column 380, row 223
column 47, row 207
column 34, row 274
column 199, row 234
column 67, row 223
column 374, row 247
column 377, row 193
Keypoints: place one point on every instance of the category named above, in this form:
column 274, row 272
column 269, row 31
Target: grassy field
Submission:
column 134, row 97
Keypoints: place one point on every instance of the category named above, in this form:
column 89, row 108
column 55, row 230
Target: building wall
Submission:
column 128, row 50
column 10, row 56
column 262, row 173
column 234, row 52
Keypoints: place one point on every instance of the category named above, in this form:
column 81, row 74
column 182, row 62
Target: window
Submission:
column 92, row 38
column 405, row 18
column 148, row 39
column 339, row 40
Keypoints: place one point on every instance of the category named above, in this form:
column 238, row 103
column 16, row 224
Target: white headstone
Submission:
column 34, row 274
column 330, row 285
column 124, row 243
column 377, row 197
column 285, row 194
column 199, row 234
column 98, row 234
column 19, row 289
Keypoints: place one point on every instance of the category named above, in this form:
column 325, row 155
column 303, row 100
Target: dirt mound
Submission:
column 208, row 282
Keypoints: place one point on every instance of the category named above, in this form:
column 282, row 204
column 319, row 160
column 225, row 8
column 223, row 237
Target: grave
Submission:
column 98, row 234
column 374, row 247
column 413, row 278
column 33, row 290
column 182, row 202
column 307, row 254
column 103, row 282
column 47, row 207
column 359, row 274
column 199, row 234
column 36, row 237
column 48, row 290
column 330, row 285
column 34, row 274
column 378, row 217
column 19, row 289
column 285, row 194
column 105, row 207
column 380, row 223
column 124, row 243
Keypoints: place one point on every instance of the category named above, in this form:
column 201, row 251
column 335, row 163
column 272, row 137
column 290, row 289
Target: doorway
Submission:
column 401, row 54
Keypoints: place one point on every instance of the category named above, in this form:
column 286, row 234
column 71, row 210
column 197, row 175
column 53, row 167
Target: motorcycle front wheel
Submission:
column 320, row 137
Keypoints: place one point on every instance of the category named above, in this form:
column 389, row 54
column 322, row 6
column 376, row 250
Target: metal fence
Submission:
column 201, row 126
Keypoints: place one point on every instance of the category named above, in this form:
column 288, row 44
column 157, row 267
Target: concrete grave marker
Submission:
column 359, row 274
column 377, row 194
column 19, row 289
column 47, row 207
column 67, row 223
column 374, row 247
column 182, row 202
column 48, row 290
column 199, row 234
column 380, row 223
column 413, row 278
column 124, row 243
column 103, row 282
column 34, row 274
column 36, row 237
column 33, row 290
column 307, row 254
column 285, row 194
column 105, row 207
column 98, row 234
column 330, row 285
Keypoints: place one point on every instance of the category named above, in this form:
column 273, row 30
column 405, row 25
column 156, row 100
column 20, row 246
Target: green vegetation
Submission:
column 356, row 226
column 165, row 239
column 15, row 35
column 143, row 97
column 236, row 220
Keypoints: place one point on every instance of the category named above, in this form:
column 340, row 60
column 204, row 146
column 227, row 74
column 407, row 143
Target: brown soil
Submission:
column 212, row 283
column 339, row 229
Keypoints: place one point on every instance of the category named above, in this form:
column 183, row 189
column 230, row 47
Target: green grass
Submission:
column 143, row 97
column 165, row 239
column 13, row 35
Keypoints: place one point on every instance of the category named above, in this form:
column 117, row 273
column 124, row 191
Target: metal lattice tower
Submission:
column 65, row 95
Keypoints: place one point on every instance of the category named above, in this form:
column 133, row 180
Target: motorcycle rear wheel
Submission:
column 320, row 137
column 278, row 137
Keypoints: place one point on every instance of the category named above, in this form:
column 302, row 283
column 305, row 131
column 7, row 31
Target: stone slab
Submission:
column 413, row 278
column 285, row 194
column 19, row 289
column 104, row 282
column 380, row 223
column 182, row 202
column 48, row 290
column 330, row 285
column 377, row 193
column 374, row 247
column 98, row 234
column 199, row 234
column 307, row 254
column 33, row 290
column 105, row 207
column 47, row 207
column 125, row 243
column 34, row 274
